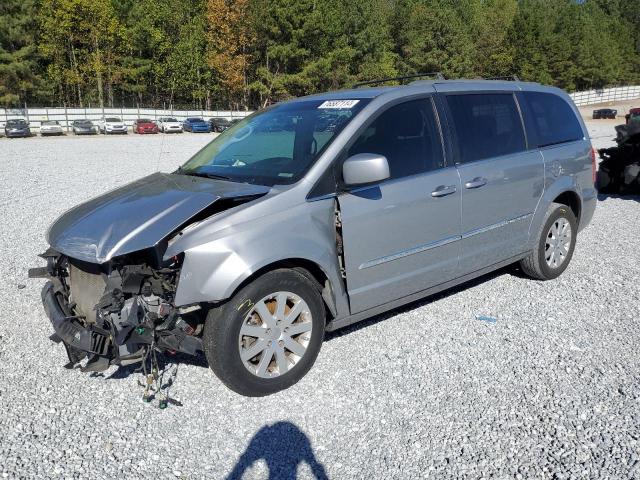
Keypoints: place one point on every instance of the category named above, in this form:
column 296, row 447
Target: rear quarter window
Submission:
column 554, row 120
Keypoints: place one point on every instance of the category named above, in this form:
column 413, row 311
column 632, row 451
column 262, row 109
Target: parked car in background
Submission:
column 633, row 115
column 196, row 124
column 267, row 238
column 108, row 125
column 15, row 128
column 83, row 126
column 235, row 120
column 169, row 125
column 144, row 125
column 605, row 113
column 219, row 124
column 51, row 127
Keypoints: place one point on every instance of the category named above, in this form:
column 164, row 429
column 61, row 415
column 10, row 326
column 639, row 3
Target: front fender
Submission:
column 213, row 271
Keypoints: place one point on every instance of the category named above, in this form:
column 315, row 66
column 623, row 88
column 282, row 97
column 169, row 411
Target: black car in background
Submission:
column 83, row 126
column 17, row 128
column 219, row 124
column 605, row 113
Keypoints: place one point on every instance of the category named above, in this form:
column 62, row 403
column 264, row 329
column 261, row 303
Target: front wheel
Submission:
column 268, row 335
column 556, row 242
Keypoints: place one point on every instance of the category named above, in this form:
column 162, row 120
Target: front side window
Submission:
column 275, row 146
column 554, row 119
column 407, row 135
column 486, row 125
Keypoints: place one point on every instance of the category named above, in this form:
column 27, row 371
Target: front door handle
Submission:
column 443, row 191
column 476, row 183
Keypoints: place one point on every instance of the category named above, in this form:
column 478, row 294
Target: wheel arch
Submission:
column 572, row 200
column 310, row 269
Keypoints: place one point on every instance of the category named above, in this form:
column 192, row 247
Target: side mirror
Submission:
column 365, row 168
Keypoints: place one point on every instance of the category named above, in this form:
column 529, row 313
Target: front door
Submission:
column 401, row 236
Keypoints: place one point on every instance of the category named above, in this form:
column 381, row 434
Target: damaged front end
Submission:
column 115, row 313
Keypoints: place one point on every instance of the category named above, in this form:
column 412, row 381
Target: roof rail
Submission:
column 438, row 76
column 513, row 78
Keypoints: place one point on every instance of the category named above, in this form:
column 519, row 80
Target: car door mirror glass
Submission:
column 365, row 169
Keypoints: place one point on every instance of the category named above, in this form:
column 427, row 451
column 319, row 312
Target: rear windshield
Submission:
column 554, row 120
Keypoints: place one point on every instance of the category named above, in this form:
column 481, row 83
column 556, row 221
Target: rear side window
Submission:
column 486, row 125
column 553, row 118
column 408, row 135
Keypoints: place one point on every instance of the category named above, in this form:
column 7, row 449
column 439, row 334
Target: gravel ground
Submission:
column 550, row 390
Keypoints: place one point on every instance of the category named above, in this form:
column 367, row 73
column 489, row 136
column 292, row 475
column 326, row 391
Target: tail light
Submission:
column 593, row 165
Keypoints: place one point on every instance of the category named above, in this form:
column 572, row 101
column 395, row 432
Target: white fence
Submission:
column 67, row 115
column 604, row 95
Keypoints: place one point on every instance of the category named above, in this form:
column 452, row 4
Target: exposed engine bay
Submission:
column 117, row 313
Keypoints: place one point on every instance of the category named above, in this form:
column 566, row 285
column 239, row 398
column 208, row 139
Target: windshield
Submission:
column 83, row 122
column 170, row 120
column 193, row 120
column 50, row 122
column 113, row 119
column 275, row 146
column 16, row 123
column 144, row 120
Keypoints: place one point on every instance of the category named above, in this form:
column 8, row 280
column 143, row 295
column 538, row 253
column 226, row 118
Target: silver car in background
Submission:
column 111, row 125
column 83, row 127
column 169, row 125
column 317, row 213
column 51, row 127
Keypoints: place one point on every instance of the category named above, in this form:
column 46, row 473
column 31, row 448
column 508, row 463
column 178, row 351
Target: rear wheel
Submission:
column 555, row 246
column 268, row 335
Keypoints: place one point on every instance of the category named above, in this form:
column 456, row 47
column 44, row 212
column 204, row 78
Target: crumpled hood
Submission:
column 138, row 215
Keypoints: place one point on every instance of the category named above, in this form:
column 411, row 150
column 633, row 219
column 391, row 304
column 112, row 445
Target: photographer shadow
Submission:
column 283, row 446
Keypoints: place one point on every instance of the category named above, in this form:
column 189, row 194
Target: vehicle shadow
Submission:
column 283, row 447
column 509, row 269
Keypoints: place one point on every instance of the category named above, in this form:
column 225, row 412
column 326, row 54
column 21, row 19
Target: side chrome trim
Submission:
column 496, row 225
column 411, row 251
column 439, row 243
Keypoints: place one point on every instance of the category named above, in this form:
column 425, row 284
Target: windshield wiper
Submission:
column 182, row 171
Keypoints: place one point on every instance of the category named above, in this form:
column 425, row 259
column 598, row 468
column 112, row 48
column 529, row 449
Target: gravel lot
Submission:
column 551, row 390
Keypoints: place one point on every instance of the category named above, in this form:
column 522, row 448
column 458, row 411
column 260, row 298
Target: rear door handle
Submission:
column 443, row 191
column 476, row 183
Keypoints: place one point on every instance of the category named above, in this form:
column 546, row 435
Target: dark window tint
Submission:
column 407, row 134
column 553, row 118
column 487, row 125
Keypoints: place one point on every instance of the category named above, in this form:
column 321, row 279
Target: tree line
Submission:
column 246, row 54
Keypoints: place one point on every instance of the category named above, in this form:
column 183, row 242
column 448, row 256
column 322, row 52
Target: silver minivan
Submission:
column 314, row 214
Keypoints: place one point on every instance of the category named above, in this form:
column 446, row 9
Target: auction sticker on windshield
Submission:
column 338, row 104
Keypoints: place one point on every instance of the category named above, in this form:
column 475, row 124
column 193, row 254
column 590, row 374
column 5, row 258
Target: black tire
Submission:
column 535, row 264
column 222, row 333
